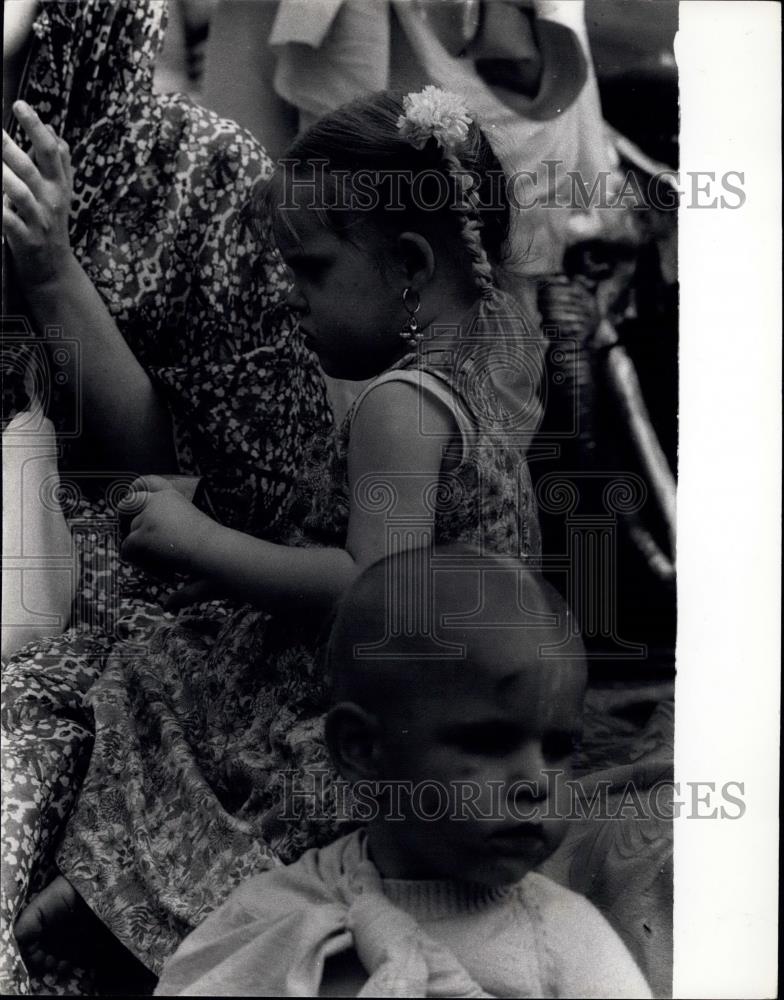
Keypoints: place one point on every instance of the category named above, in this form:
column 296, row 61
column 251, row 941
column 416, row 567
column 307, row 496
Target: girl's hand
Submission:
column 37, row 193
column 168, row 533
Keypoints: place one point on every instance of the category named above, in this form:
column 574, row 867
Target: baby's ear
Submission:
column 353, row 740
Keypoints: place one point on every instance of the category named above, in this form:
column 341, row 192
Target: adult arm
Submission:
column 128, row 424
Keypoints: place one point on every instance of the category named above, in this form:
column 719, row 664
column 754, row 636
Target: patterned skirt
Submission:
column 197, row 728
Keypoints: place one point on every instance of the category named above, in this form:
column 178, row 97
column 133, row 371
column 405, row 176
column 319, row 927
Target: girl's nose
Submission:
column 297, row 301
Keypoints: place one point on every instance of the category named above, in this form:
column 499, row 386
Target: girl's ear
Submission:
column 418, row 259
column 353, row 739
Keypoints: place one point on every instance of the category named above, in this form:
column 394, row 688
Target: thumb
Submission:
column 191, row 593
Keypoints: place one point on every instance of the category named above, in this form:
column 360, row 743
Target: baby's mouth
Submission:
column 521, row 839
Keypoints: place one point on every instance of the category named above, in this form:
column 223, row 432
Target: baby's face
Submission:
column 485, row 760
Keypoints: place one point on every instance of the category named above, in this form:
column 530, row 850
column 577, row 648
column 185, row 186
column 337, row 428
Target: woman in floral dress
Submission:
column 159, row 236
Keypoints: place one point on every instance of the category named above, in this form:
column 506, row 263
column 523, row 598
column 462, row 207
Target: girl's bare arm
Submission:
column 391, row 465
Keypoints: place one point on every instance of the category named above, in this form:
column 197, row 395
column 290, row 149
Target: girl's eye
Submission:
column 306, row 270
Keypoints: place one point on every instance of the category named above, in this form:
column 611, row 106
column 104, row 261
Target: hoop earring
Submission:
column 411, row 332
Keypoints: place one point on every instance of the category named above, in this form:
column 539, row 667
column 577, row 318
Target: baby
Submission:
column 457, row 701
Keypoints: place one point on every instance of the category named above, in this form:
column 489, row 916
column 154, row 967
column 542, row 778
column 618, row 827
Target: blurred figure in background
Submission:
column 523, row 67
column 180, row 64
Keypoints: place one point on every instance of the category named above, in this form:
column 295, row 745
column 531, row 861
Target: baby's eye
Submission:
column 488, row 741
column 556, row 746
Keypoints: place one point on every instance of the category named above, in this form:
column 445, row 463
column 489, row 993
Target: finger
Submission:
column 47, row 155
column 21, row 164
column 22, row 198
column 61, row 145
column 138, row 521
column 191, row 593
column 139, row 485
column 64, row 151
column 134, row 500
column 14, row 228
column 151, row 484
column 126, row 548
column 145, row 484
column 137, row 551
column 133, row 549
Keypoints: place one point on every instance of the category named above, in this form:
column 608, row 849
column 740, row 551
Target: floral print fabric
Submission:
column 200, row 732
column 163, row 223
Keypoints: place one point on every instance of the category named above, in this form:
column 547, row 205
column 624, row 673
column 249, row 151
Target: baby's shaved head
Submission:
column 416, row 622
column 459, row 686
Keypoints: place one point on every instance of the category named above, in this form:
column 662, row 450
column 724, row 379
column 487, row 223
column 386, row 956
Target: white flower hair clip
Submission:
column 434, row 114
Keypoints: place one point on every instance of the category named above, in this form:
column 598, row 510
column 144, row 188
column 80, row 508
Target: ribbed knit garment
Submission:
column 535, row 938
column 326, row 923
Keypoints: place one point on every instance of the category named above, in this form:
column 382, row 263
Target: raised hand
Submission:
column 37, row 192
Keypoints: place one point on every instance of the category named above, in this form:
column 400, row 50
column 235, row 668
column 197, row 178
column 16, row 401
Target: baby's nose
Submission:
column 529, row 770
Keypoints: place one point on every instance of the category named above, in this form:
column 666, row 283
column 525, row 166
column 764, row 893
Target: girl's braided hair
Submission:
column 405, row 162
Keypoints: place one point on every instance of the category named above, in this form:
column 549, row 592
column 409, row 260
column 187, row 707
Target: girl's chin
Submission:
column 338, row 368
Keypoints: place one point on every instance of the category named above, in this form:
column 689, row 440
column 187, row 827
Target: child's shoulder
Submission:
column 405, row 401
column 565, row 913
column 312, row 877
column 554, row 902
column 590, row 955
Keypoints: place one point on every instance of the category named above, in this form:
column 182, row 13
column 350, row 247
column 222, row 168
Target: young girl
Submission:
column 392, row 218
